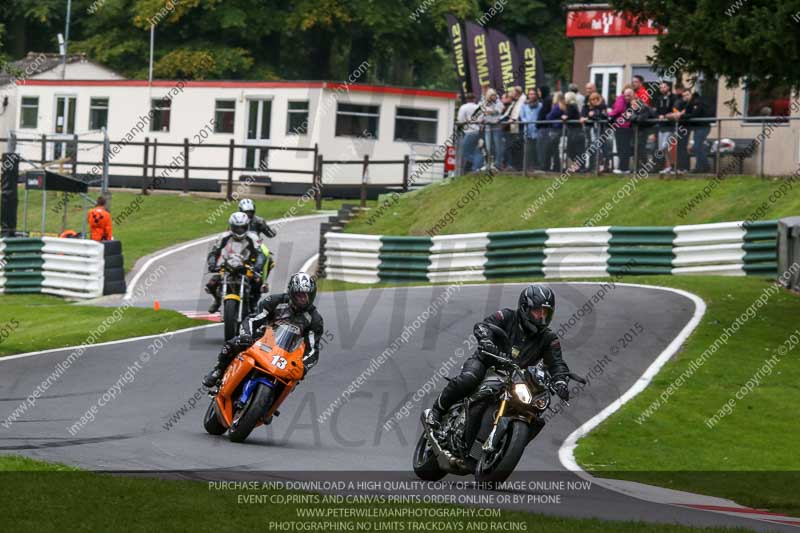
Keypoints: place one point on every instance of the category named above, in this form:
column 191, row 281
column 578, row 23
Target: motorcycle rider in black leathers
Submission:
column 259, row 227
column 240, row 241
column 295, row 307
column 531, row 340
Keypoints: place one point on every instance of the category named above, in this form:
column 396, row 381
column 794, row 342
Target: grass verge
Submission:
column 750, row 455
column 501, row 204
column 40, row 322
column 46, row 497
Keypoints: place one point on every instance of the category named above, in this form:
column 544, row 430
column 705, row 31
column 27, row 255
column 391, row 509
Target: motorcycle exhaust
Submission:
column 443, row 457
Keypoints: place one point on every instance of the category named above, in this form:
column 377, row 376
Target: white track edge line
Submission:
column 107, row 343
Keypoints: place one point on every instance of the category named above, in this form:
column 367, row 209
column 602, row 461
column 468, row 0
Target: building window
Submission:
column 161, row 113
column 297, row 121
column 762, row 102
column 98, row 113
column 356, row 120
column 29, row 114
column 415, row 125
column 224, row 116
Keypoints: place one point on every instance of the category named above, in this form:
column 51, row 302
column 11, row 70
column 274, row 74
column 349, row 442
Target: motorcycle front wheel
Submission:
column 426, row 466
column 246, row 418
column 230, row 317
column 495, row 467
column 211, row 420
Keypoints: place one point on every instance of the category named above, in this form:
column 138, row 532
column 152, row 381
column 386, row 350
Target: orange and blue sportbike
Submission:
column 256, row 382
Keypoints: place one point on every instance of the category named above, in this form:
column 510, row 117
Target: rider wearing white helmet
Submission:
column 258, row 225
column 237, row 240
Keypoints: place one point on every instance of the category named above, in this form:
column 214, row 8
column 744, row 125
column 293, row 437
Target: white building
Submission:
column 345, row 122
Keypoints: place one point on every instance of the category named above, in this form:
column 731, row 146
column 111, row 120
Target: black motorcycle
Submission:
column 235, row 290
column 486, row 433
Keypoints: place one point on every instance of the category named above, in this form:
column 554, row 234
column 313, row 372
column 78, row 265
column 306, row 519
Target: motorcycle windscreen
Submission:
column 287, row 337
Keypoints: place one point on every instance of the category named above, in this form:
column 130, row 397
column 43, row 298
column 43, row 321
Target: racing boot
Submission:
column 213, row 378
column 433, row 417
column 215, row 305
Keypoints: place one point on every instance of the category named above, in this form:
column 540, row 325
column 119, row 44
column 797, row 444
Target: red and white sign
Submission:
column 450, row 159
column 605, row 23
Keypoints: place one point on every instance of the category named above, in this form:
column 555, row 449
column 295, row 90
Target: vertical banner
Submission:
column 502, row 61
column 477, row 56
column 459, row 55
column 531, row 61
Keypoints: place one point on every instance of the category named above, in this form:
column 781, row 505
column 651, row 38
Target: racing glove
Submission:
column 561, row 388
column 486, row 345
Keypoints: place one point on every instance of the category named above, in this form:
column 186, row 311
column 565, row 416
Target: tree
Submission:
column 753, row 41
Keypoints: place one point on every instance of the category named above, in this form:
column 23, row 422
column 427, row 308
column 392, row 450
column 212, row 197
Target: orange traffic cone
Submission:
column 156, row 306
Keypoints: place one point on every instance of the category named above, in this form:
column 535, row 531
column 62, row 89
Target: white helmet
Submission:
column 246, row 205
column 239, row 224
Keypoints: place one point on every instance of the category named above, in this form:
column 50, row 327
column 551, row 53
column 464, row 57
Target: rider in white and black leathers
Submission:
column 295, row 307
column 531, row 340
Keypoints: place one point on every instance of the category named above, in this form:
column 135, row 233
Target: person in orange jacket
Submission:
column 100, row 222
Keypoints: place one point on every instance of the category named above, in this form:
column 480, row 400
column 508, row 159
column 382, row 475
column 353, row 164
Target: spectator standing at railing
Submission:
column 682, row 146
column 642, row 122
column 552, row 159
column 640, row 90
column 697, row 108
column 595, row 115
column 664, row 105
column 491, row 110
column 581, row 99
column 623, row 134
column 502, row 161
column 575, row 138
column 515, row 140
column 543, row 130
column 469, row 154
column 100, row 225
column 530, row 113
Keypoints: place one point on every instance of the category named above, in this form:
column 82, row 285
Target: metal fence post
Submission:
column 229, row 192
column 598, row 146
column 635, row 148
column 145, row 164
column 761, row 155
column 106, row 162
column 154, row 166
column 75, row 156
column 44, row 150
column 364, row 181
column 318, row 189
column 718, row 170
column 406, row 166
column 185, row 165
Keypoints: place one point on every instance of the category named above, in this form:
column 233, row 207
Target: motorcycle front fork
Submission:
column 487, row 446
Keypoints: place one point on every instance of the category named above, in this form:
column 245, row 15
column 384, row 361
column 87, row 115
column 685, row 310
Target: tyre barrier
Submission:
column 728, row 248
column 71, row 268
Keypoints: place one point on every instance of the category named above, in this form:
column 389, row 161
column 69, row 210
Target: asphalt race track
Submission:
column 142, row 428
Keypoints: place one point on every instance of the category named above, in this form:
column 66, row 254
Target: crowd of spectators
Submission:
column 581, row 132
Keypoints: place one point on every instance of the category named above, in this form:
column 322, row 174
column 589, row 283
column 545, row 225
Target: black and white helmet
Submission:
column 537, row 304
column 302, row 290
column 239, row 224
column 247, row 206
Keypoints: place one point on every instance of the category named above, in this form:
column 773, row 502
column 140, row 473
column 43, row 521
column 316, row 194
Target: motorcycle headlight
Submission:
column 523, row 393
column 541, row 401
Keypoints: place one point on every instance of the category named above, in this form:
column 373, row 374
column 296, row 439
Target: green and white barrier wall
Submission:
column 728, row 248
column 72, row 268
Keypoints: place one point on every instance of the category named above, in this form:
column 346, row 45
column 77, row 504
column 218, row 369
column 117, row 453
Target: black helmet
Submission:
column 533, row 298
column 302, row 284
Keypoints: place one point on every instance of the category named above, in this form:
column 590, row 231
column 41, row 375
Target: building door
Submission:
column 259, row 119
column 64, row 126
column 608, row 82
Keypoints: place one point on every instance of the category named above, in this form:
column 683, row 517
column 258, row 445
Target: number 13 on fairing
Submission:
column 279, row 361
